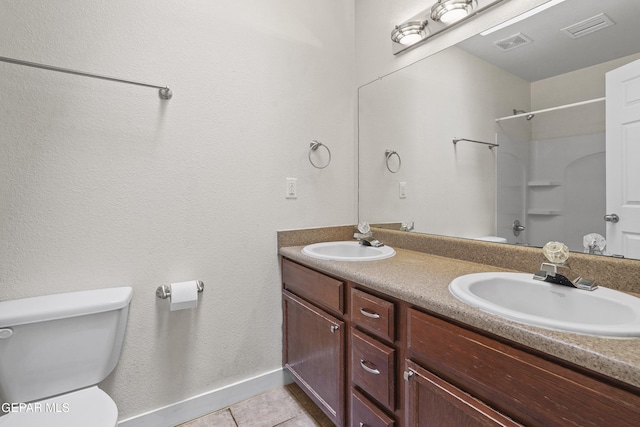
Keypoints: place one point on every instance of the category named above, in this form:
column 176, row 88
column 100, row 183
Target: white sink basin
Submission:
column 517, row 296
column 347, row 251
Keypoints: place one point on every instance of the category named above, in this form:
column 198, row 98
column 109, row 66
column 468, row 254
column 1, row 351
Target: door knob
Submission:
column 517, row 228
column 612, row 218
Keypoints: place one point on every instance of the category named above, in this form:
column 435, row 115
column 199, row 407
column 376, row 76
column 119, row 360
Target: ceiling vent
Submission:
column 588, row 26
column 512, row 42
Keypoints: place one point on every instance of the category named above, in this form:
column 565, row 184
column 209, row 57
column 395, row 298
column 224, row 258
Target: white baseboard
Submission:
column 197, row 406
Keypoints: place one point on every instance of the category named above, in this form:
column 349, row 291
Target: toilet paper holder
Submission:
column 164, row 291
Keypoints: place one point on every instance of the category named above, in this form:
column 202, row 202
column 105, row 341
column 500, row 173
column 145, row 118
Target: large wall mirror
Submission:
column 555, row 172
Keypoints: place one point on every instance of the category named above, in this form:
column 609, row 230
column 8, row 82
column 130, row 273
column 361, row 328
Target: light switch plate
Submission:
column 292, row 188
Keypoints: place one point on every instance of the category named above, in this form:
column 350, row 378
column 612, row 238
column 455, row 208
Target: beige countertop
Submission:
column 422, row 279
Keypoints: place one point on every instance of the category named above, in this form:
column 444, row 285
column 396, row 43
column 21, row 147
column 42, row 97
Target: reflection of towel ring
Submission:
column 314, row 146
column 390, row 153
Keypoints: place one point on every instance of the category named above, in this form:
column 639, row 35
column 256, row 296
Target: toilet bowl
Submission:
column 55, row 349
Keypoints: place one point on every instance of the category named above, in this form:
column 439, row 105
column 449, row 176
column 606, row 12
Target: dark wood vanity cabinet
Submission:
column 371, row 360
column 340, row 353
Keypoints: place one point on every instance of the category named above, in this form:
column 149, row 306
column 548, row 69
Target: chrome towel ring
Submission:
column 314, row 146
column 388, row 155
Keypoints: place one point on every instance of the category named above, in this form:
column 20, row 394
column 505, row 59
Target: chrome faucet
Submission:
column 594, row 248
column 365, row 236
column 558, row 274
column 406, row 226
column 368, row 240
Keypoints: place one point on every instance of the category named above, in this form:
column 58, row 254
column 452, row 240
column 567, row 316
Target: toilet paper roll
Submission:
column 184, row 295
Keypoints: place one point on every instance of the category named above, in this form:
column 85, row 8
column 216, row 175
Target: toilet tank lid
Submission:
column 58, row 306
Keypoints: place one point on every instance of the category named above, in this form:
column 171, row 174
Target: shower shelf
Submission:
column 550, row 212
column 544, row 183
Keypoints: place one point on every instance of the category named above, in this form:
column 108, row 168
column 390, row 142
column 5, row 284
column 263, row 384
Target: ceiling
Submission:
column 551, row 51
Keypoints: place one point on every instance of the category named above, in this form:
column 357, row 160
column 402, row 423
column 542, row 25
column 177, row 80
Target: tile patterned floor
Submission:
column 283, row 407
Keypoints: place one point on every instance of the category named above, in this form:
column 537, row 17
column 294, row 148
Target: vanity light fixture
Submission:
column 410, row 32
column 450, row 11
column 443, row 15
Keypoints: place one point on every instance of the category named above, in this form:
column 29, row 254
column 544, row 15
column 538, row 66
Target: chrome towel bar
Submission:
column 490, row 144
column 164, row 92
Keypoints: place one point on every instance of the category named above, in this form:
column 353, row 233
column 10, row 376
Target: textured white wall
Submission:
column 104, row 184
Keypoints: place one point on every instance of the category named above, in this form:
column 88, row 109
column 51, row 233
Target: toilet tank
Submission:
column 54, row 344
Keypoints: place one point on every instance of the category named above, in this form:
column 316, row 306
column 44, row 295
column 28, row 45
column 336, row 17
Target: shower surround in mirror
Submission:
column 554, row 187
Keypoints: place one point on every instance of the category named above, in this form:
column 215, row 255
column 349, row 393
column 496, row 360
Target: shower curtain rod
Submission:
column 560, row 107
column 164, row 92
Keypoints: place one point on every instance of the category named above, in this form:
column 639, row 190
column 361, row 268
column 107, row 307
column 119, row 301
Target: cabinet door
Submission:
column 314, row 354
column 433, row 402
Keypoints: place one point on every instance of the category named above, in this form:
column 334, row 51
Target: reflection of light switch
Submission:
column 402, row 190
column 292, row 188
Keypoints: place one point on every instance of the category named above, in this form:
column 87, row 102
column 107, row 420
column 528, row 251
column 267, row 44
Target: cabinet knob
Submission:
column 407, row 374
column 334, row 328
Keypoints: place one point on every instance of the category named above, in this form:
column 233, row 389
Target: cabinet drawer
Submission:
column 372, row 368
column 528, row 388
column 373, row 314
column 323, row 290
column 365, row 413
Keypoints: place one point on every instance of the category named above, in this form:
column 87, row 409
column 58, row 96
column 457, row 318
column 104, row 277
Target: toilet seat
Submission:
column 89, row 406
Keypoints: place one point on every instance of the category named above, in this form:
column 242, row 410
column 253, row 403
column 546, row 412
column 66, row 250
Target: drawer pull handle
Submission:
column 374, row 371
column 334, row 328
column 369, row 314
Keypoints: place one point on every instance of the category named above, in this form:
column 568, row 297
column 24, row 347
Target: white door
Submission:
column 623, row 160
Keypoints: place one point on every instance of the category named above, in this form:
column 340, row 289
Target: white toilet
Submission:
column 54, row 349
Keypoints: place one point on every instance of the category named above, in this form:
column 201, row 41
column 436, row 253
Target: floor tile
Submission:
column 268, row 409
column 303, row 420
column 286, row 406
column 222, row 418
column 308, row 405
